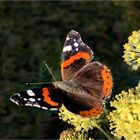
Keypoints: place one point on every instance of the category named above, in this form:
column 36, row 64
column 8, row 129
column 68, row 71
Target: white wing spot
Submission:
column 32, row 99
column 83, row 43
column 16, row 102
column 17, row 94
column 74, row 39
column 25, row 99
column 67, row 38
column 36, row 105
column 30, row 93
column 53, row 109
column 43, row 107
column 76, row 44
column 39, row 99
column 28, row 105
column 76, row 49
column 67, row 48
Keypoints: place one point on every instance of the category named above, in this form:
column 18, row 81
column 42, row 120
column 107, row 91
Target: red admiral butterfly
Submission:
column 84, row 87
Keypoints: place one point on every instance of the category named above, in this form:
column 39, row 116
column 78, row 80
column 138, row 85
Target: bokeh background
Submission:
column 31, row 32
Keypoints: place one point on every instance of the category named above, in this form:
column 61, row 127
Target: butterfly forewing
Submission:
column 46, row 98
column 75, row 55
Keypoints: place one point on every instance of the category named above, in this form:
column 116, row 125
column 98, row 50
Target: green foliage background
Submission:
column 31, row 32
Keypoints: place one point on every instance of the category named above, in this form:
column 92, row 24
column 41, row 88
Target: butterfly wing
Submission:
column 96, row 79
column 47, row 98
column 89, row 87
column 84, row 105
column 75, row 55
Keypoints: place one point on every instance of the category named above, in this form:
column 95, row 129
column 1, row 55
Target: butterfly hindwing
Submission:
column 75, row 55
column 85, row 106
column 96, row 79
column 47, row 98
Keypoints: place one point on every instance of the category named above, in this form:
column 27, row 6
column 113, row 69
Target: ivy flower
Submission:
column 132, row 50
column 81, row 125
column 71, row 134
column 125, row 120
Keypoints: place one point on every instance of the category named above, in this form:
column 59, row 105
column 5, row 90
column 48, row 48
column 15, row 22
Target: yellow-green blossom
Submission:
column 82, row 125
column 125, row 119
column 79, row 122
column 71, row 134
column 132, row 50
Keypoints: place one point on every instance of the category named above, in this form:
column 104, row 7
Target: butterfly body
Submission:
column 70, row 88
column 84, row 87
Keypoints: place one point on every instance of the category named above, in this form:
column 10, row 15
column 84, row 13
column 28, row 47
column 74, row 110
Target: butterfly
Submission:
column 85, row 85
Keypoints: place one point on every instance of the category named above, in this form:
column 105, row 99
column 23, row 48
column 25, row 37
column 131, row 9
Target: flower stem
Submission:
column 107, row 136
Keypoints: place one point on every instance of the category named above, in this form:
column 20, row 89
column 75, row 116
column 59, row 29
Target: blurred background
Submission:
column 31, row 32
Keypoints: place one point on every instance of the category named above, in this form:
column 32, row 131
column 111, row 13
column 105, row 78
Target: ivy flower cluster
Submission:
column 125, row 119
column 81, row 125
column 132, row 50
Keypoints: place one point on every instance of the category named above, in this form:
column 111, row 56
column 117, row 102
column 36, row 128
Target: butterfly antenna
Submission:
column 41, row 83
column 49, row 70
